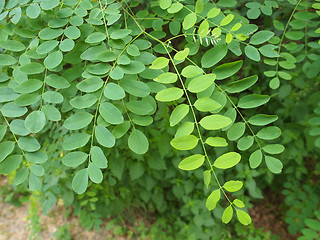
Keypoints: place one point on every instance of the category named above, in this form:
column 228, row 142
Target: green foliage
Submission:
column 312, row 230
column 113, row 83
column 306, row 203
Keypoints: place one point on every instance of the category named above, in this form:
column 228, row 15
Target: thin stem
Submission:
column 15, row 139
column 284, row 32
column 104, row 85
column 104, row 19
column 195, row 121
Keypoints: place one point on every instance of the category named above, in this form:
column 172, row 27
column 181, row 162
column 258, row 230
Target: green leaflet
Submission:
column 119, row 130
column 32, row 68
column 253, row 101
column 160, row 63
column 7, row 95
column 29, row 86
column 273, row 148
column 255, row 158
column 17, row 127
column 216, row 142
column 243, row 217
column 34, row 182
column 91, row 84
column 35, row 121
column 189, row 21
column 75, row 141
column 12, row 110
column 169, row 94
column 135, row 88
column 37, row 170
column 33, row 10
column 201, row 83
column 236, row 131
column 274, row 164
column 215, row 122
column 47, row 46
column 164, row 4
column 7, row 60
column 213, row 199
column 53, row 59
column 238, row 203
column 84, row 101
column 184, row 129
column 241, row 85
column 226, row 70
column 98, row 157
column 120, row 33
column 269, row 133
column 226, row 20
column 262, row 119
column 6, row 148
column 12, row 45
column 78, row 121
column 114, row 91
column 10, row 164
column 252, row 53
column 227, row 214
column 80, row 181
column 187, row 142
column 245, row 143
column 50, row 33
column 207, row 178
column 110, row 113
column 213, row 12
column 138, row 142
column 192, row 162
column 227, row 160
column 175, row 7
column 52, row 97
column 28, row 144
column 233, row 186
column 178, row 114
column 166, row 78
column 214, row 55
column 37, row 157
column 139, row 107
column 206, row 104
column 261, row 37
column 56, row 81
column 104, row 137
column 191, row 71
column 21, row 176
column 203, row 28
column 74, row 159
column 179, row 56
column 51, row 113
column 94, row 173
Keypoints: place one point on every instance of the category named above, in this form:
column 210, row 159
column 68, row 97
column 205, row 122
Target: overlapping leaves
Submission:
column 90, row 72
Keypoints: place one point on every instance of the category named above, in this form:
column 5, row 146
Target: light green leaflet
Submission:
column 160, row 63
column 185, row 142
column 169, row 94
column 215, row 122
column 213, row 199
column 227, row 160
column 201, row 83
column 192, row 162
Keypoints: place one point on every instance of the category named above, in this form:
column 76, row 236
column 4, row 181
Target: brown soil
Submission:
column 267, row 215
